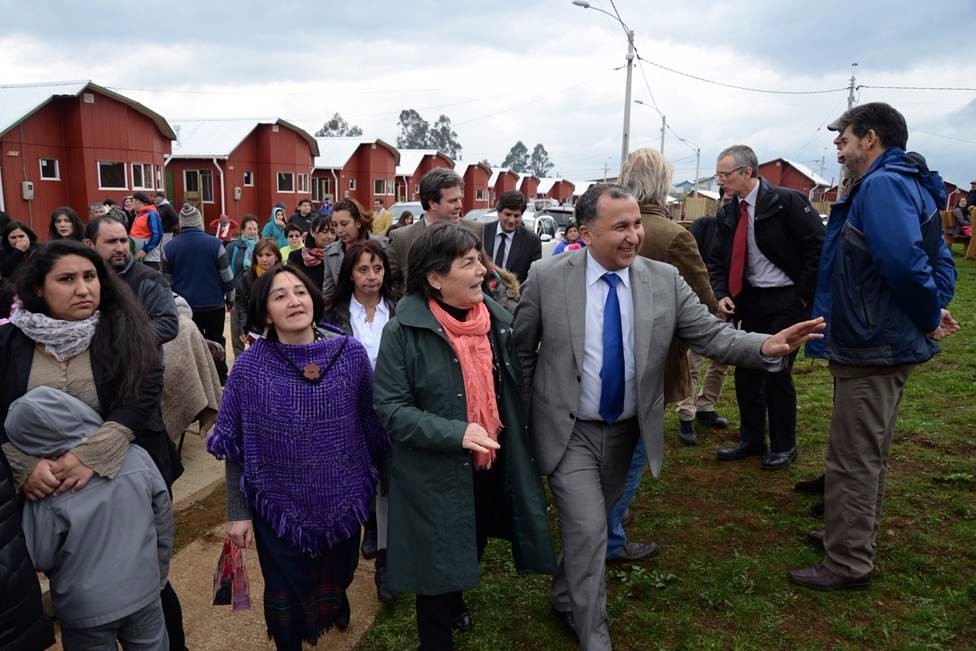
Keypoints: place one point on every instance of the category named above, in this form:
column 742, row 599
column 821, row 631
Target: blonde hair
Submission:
column 647, row 175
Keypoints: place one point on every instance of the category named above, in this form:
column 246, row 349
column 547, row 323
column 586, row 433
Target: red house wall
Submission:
column 475, row 179
column 562, row 191
column 427, row 163
column 281, row 151
column 505, row 183
column 77, row 135
column 784, row 175
column 370, row 163
column 529, row 187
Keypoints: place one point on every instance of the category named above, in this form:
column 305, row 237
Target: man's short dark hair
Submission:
column 879, row 117
column 160, row 194
column 293, row 228
column 511, row 200
column 439, row 178
column 306, row 200
column 434, row 252
column 142, row 197
column 586, row 204
column 93, row 227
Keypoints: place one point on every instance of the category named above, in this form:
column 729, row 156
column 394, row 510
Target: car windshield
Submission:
column 414, row 207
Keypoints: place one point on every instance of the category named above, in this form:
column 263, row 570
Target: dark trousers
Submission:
column 761, row 393
column 173, row 615
column 210, row 323
column 436, row 613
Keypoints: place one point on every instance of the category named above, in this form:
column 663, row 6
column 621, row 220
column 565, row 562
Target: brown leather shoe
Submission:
column 819, row 577
column 816, row 538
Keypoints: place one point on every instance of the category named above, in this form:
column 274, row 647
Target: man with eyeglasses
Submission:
column 763, row 268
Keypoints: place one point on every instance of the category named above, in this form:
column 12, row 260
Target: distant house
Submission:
column 529, row 186
column 796, row 176
column 361, row 168
column 580, row 187
column 414, row 163
column 74, row 144
column 502, row 180
column 240, row 167
column 561, row 190
column 476, row 188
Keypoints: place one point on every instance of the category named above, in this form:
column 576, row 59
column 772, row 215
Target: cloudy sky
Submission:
column 540, row 71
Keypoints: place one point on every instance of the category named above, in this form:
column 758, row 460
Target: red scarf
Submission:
column 469, row 339
column 312, row 257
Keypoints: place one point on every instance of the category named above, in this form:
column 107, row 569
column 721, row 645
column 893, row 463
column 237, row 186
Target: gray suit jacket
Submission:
column 548, row 328
column 403, row 238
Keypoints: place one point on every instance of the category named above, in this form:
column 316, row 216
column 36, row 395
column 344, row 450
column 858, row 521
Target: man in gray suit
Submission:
column 615, row 313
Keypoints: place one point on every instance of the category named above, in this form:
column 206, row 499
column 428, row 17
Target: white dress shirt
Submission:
column 760, row 272
column 591, row 385
column 368, row 333
column 507, row 243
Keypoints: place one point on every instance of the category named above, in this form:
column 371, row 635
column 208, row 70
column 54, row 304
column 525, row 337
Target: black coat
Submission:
column 23, row 624
column 788, row 232
column 142, row 415
column 703, row 230
column 168, row 216
column 526, row 248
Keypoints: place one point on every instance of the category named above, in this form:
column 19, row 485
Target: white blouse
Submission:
column 368, row 333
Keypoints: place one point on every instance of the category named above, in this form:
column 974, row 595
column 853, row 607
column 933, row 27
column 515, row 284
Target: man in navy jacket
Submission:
column 885, row 280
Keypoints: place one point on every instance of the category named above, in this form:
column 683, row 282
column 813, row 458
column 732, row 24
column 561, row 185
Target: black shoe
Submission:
column 342, row 619
column 816, row 538
column 462, row 623
column 368, row 548
column 565, row 620
column 626, row 518
column 687, row 432
column 383, row 591
column 740, row 450
column 711, row 419
column 814, row 486
column 817, row 510
column 779, row 460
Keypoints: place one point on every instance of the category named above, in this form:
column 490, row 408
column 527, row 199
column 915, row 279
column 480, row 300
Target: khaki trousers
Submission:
column 711, row 389
column 861, row 428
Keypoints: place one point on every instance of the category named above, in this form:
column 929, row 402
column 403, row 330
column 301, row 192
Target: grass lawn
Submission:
column 729, row 532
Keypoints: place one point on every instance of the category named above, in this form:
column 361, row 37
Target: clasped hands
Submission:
column 56, row 476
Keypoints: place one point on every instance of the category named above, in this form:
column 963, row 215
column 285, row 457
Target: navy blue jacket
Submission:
column 885, row 271
column 198, row 269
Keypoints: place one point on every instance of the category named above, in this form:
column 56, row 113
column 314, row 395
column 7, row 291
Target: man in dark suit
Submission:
column 764, row 271
column 507, row 242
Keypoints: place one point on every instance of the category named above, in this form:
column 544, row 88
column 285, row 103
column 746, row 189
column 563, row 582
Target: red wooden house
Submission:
column 74, row 144
column 476, row 188
column 414, row 163
column 240, row 166
column 559, row 189
column 529, row 186
column 796, row 176
column 502, row 180
column 361, row 168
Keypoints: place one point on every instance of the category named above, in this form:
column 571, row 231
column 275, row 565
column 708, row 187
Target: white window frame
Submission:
column 142, row 167
column 352, row 184
column 204, row 184
column 125, row 172
column 302, row 183
column 248, row 179
column 186, row 186
column 378, row 190
column 479, row 194
column 278, row 184
column 158, row 175
column 57, row 169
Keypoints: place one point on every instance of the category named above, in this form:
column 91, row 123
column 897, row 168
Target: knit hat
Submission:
column 190, row 217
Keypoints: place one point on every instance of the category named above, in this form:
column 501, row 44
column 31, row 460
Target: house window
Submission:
column 159, row 177
column 352, row 184
column 248, row 178
column 286, row 182
column 191, row 181
column 50, row 170
column 416, row 189
column 303, row 183
column 206, row 186
column 142, row 176
column 379, row 186
column 111, row 176
column 479, row 194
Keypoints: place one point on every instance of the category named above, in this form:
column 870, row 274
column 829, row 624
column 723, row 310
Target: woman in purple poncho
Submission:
column 302, row 446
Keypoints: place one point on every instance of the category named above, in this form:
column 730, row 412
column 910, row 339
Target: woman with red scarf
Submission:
column 446, row 391
column 321, row 233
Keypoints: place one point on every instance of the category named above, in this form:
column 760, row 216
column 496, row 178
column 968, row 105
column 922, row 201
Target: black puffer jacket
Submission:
column 23, row 624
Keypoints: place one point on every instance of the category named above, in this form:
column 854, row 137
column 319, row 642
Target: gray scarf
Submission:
column 61, row 339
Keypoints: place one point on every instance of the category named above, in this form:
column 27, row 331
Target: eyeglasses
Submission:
column 721, row 176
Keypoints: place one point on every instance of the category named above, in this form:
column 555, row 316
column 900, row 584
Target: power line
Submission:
column 917, row 88
column 938, row 135
column 186, row 91
column 745, row 88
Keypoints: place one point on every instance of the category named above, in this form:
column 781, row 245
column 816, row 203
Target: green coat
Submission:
column 419, row 398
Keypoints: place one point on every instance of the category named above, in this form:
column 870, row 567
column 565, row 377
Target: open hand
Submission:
column 476, row 439
column 789, row 339
column 947, row 326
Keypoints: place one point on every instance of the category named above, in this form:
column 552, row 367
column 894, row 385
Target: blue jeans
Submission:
column 616, row 536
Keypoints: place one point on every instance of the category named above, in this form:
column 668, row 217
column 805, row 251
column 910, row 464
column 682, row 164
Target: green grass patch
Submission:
column 729, row 532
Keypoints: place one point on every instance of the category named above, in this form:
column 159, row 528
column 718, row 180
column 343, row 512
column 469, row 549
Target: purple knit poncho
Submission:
column 310, row 450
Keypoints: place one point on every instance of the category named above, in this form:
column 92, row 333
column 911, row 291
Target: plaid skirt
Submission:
column 303, row 595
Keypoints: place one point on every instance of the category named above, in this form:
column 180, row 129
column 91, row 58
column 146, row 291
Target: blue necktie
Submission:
column 612, row 373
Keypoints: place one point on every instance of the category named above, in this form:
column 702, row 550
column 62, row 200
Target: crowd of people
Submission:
column 399, row 390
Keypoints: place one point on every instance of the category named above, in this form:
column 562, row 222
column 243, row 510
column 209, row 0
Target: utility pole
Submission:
column 664, row 126
column 850, row 89
column 697, row 166
column 606, row 168
column 625, row 141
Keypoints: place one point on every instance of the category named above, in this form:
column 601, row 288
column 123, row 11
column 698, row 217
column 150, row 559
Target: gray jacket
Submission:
column 105, row 548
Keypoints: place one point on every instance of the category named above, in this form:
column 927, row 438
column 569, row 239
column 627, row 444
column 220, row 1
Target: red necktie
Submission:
column 737, row 267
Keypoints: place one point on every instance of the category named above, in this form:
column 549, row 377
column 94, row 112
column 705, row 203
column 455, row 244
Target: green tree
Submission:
column 517, row 158
column 414, row 130
column 443, row 138
column 539, row 163
column 336, row 127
